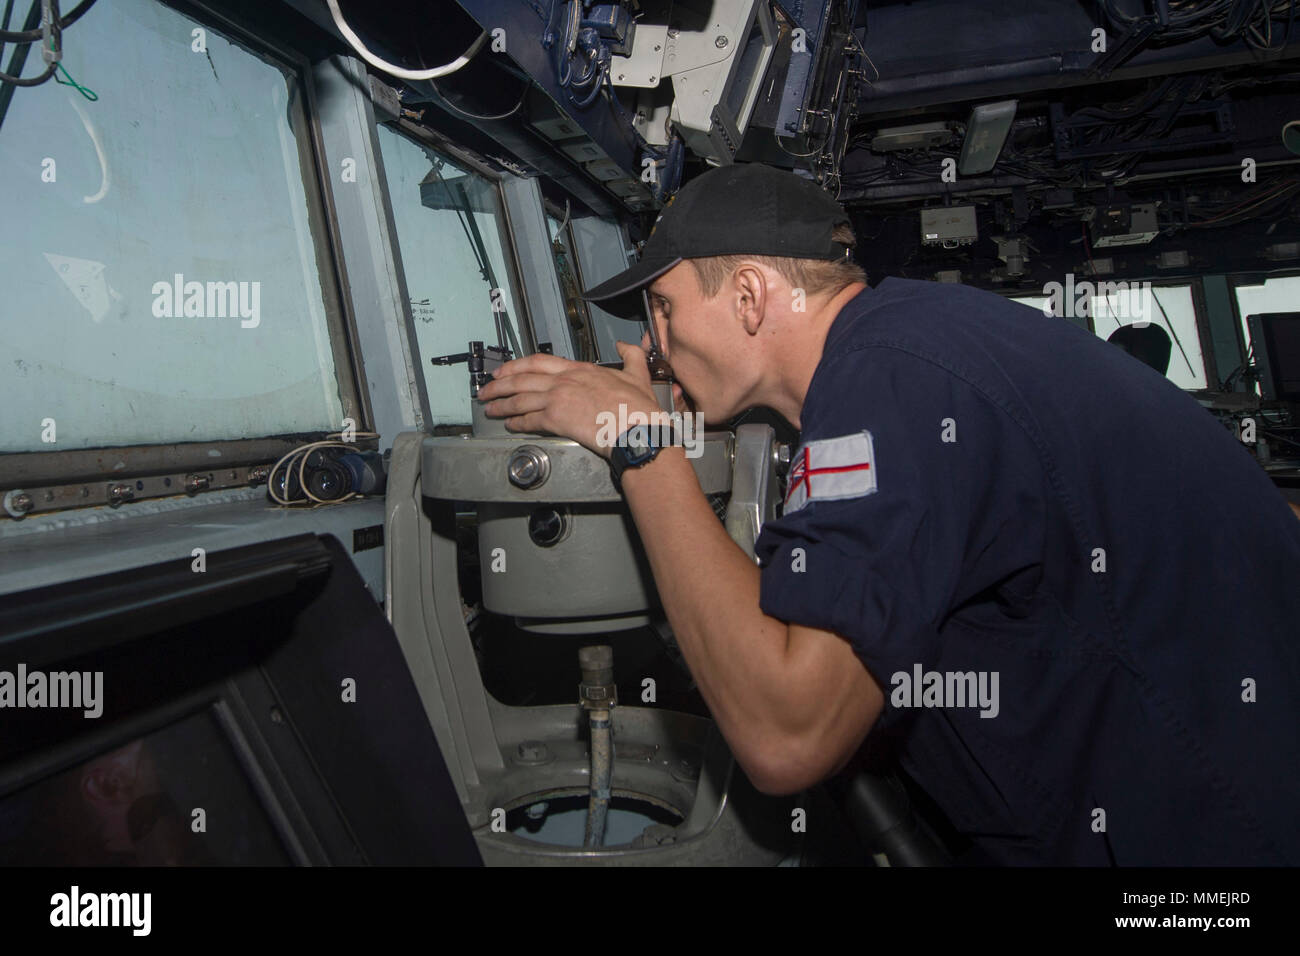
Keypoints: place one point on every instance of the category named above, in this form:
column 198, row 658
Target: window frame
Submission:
column 113, row 462
column 553, row 211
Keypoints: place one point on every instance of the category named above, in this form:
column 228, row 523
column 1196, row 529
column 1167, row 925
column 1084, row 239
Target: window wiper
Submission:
column 506, row 337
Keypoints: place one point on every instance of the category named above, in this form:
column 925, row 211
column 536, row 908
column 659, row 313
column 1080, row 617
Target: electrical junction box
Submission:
column 948, row 226
column 1124, row 225
column 916, row 136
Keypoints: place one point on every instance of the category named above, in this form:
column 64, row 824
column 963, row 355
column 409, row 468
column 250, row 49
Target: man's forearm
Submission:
column 710, row 591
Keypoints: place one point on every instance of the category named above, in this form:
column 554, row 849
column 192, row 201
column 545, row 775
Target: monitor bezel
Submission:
column 1261, row 325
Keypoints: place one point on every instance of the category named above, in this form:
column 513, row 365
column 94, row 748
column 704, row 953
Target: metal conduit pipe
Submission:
column 598, row 696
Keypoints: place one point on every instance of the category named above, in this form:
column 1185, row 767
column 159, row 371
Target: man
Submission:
column 1042, row 571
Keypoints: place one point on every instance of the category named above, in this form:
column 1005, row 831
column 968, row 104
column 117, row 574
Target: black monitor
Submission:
column 1275, row 340
column 257, row 713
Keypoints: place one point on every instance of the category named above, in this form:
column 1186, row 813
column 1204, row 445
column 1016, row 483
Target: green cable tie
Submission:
column 87, row 93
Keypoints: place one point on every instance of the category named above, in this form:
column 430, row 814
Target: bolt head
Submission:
column 528, row 467
column 720, row 41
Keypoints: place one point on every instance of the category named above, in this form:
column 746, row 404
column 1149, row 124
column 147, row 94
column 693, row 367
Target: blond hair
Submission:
column 814, row 276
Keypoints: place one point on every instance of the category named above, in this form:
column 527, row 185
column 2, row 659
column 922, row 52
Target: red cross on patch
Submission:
column 832, row 469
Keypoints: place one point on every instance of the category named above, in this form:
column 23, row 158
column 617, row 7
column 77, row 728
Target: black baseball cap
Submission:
column 736, row 210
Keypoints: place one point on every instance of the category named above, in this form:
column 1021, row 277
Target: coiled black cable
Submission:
column 27, row 36
column 32, row 36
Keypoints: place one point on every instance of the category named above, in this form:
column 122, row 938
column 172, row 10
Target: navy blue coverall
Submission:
column 986, row 493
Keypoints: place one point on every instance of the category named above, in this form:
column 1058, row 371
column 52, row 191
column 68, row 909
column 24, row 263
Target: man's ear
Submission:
column 751, row 297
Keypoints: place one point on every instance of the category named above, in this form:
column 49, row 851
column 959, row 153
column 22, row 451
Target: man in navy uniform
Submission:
column 1057, row 584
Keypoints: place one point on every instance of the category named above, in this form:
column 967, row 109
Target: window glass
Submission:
column 603, row 253
column 452, row 242
column 1172, row 308
column 161, row 276
column 1033, row 301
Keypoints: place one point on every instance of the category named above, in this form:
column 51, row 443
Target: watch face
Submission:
column 637, row 442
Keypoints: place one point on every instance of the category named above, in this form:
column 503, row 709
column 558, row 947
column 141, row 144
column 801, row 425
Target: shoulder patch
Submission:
column 831, row 469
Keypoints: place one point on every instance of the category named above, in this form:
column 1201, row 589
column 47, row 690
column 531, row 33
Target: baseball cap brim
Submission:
column 644, row 272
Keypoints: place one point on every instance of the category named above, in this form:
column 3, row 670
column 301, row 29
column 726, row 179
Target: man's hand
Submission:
column 546, row 393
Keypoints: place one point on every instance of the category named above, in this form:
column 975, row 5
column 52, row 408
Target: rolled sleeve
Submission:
column 856, row 567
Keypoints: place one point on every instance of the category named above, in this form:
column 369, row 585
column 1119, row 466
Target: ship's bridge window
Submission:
column 1171, row 307
column 598, row 250
column 1277, row 294
column 165, row 276
column 459, row 273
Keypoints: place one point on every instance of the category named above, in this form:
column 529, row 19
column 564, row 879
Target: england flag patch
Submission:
column 831, row 469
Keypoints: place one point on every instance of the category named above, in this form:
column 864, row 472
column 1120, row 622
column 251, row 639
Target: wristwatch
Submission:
column 633, row 449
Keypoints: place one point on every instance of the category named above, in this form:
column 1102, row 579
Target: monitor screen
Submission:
column 174, row 797
column 1278, row 360
column 228, row 731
